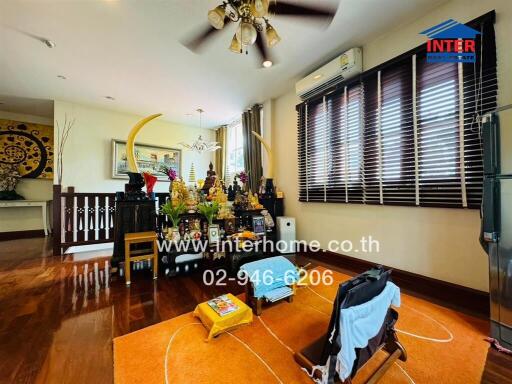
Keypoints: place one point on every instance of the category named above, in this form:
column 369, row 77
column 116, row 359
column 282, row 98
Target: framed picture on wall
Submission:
column 150, row 158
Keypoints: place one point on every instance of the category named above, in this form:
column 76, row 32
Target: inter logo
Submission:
column 451, row 42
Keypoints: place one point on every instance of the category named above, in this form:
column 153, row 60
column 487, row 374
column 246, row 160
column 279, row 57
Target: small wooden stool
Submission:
column 217, row 324
column 137, row 238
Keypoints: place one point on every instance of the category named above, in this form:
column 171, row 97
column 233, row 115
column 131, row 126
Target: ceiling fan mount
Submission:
column 254, row 27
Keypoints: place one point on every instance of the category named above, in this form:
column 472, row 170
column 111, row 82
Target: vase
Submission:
column 173, row 234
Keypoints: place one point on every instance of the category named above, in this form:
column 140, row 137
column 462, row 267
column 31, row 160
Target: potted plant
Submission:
column 173, row 212
column 210, row 210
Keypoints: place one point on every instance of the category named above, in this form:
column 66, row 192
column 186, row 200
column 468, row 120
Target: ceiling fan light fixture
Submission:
column 216, row 16
column 235, row 45
column 272, row 36
column 246, row 33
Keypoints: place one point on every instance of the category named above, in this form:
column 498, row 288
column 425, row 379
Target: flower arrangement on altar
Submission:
column 171, row 173
column 173, row 211
column 209, row 210
column 243, row 176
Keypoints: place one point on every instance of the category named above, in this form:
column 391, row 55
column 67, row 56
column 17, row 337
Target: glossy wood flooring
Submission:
column 58, row 315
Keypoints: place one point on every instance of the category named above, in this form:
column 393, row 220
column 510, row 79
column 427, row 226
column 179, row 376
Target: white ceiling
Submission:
column 130, row 50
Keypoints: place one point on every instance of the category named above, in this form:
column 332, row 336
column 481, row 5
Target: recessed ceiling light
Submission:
column 109, row 98
column 316, row 77
column 62, row 77
column 267, row 63
column 49, row 43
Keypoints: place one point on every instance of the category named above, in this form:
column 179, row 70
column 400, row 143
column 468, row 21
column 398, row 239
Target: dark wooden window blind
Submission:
column 437, row 100
column 406, row 133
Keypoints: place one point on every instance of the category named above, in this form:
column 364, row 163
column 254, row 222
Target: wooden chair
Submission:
column 140, row 255
column 257, row 303
column 309, row 357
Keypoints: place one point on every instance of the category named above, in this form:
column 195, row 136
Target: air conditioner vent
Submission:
column 323, row 87
column 344, row 67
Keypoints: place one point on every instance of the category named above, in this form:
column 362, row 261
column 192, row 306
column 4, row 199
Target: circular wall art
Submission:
column 29, row 146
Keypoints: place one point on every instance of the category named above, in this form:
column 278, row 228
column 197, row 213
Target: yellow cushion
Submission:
column 218, row 324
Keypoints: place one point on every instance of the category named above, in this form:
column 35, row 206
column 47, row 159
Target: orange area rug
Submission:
column 442, row 346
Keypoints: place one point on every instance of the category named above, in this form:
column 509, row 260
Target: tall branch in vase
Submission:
column 62, row 135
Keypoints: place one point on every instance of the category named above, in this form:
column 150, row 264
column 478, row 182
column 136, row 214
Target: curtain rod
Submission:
column 254, row 105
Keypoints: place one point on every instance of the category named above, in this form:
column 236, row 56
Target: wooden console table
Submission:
column 43, row 204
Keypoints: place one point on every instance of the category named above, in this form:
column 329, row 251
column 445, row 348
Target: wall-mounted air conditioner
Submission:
column 345, row 66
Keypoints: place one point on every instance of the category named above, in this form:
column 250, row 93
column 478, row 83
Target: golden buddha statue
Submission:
column 254, row 202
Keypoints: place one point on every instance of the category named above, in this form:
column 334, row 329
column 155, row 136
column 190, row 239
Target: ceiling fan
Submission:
column 254, row 27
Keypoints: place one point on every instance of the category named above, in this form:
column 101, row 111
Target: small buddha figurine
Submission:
column 240, row 202
column 192, row 200
column 261, row 190
column 233, row 190
column 269, row 221
column 218, row 192
column 253, row 200
column 210, row 179
column 231, row 193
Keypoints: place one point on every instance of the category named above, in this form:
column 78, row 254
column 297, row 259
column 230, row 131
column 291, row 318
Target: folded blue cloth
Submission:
column 269, row 274
column 278, row 294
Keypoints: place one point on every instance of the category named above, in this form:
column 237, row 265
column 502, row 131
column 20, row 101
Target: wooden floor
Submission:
column 58, row 315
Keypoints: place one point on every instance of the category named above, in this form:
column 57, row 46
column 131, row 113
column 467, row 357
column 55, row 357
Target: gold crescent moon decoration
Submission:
column 270, row 164
column 130, row 142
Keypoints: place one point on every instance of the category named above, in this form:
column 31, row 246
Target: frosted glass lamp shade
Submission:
column 235, row 45
column 246, row 33
column 259, row 8
column 272, row 36
column 216, row 17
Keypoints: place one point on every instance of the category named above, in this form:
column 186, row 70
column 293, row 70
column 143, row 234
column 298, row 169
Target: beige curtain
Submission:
column 251, row 121
column 220, row 154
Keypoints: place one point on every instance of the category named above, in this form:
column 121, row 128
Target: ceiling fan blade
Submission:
column 197, row 41
column 287, row 8
column 263, row 51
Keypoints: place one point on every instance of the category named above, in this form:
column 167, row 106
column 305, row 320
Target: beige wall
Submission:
column 439, row 243
column 88, row 151
column 25, row 219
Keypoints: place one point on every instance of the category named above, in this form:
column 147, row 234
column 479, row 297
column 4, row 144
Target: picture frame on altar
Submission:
column 258, row 225
column 214, row 233
column 150, row 158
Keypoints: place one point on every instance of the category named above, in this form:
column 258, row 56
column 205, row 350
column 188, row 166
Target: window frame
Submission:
column 234, row 132
column 411, row 185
